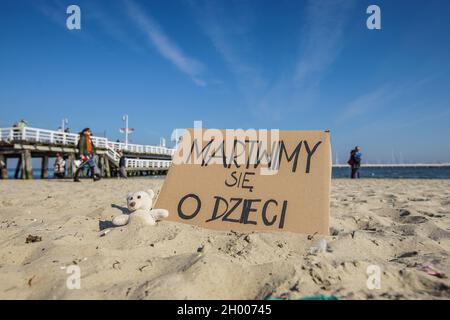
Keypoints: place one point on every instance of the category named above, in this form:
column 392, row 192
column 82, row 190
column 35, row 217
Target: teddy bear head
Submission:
column 141, row 200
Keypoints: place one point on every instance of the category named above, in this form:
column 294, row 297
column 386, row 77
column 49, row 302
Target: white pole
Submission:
column 63, row 123
column 176, row 138
column 126, row 130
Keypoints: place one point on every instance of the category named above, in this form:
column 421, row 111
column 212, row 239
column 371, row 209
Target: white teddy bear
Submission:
column 140, row 206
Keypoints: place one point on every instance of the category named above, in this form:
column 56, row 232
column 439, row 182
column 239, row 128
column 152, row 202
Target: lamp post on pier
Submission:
column 126, row 130
column 63, row 124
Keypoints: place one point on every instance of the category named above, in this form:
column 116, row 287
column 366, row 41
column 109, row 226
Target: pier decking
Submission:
column 27, row 143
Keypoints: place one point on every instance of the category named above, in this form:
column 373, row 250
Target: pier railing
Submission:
column 29, row 134
column 143, row 164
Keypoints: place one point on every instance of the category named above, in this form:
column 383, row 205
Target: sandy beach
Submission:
column 399, row 225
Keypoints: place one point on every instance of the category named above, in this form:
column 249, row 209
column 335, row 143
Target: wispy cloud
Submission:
column 53, row 10
column 367, row 102
column 228, row 29
column 322, row 38
column 110, row 21
column 165, row 46
column 380, row 98
column 56, row 12
column 117, row 28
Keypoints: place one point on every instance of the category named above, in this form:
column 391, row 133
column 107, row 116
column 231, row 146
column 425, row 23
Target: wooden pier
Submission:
column 24, row 144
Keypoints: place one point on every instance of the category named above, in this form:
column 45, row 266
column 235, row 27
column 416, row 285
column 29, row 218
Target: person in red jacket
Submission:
column 86, row 153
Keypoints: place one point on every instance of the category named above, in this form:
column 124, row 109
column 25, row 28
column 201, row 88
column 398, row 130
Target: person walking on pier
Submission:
column 18, row 128
column 122, row 166
column 355, row 162
column 86, row 153
column 22, row 124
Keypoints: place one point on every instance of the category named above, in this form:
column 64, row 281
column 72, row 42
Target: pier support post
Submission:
column 102, row 166
column 28, row 167
column 3, row 167
column 44, row 167
column 70, row 165
column 107, row 167
column 18, row 167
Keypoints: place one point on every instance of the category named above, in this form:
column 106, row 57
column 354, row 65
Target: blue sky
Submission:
column 235, row 64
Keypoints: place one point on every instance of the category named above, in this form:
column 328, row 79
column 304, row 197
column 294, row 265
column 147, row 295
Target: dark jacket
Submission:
column 122, row 161
column 82, row 146
column 355, row 159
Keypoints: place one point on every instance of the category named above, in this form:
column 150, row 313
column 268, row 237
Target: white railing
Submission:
column 113, row 154
column 138, row 148
column 139, row 164
column 71, row 139
column 147, row 164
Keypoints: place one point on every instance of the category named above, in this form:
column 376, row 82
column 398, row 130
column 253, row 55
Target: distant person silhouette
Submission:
column 122, row 165
column 355, row 162
column 59, row 167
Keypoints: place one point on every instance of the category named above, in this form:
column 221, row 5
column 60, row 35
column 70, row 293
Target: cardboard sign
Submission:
column 284, row 188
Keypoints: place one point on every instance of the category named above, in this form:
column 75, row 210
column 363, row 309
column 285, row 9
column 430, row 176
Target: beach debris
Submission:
column 144, row 266
column 9, row 223
column 334, row 231
column 319, row 297
column 432, row 271
column 414, row 219
column 418, row 199
column 432, row 215
column 320, row 248
column 296, row 287
column 32, row 239
column 311, row 236
column 404, row 213
column 31, row 280
column 408, row 254
column 116, row 265
column 105, row 232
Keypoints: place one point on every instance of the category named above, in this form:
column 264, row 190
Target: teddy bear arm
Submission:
column 159, row 213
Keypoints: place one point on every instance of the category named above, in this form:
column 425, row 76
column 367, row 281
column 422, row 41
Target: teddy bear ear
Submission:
column 151, row 193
